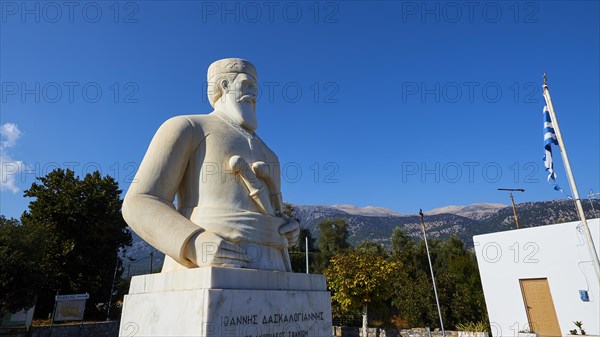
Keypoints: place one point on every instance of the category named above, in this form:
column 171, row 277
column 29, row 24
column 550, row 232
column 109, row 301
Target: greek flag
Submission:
column 549, row 139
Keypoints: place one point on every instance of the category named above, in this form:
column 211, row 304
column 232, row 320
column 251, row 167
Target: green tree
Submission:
column 357, row 280
column 333, row 239
column 20, row 275
column 83, row 230
column 403, row 246
column 371, row 247
column 457, row 281
column 413, row 296
column 460, row 282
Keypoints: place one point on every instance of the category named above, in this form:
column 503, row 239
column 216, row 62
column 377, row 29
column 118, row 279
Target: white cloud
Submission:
column 9, row 168
column 11, row 133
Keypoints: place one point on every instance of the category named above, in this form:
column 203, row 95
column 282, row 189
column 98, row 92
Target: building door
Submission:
column 540, row 307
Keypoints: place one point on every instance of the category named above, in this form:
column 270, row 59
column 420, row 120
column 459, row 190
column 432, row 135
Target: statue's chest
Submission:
column 222, row 144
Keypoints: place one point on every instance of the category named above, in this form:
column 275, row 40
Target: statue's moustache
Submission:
column 247, row 98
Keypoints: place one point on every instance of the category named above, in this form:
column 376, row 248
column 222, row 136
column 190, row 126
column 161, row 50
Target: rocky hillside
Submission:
column 379, row 227
column 533, row 214
column 463, row 221
column 475, row 211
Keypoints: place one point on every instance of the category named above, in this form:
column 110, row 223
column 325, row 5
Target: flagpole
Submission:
column 563, row 151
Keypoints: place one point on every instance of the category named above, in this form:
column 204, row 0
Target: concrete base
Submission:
column 214, row 301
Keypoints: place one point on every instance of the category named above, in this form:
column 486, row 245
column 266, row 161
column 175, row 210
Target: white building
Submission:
column 541, row 277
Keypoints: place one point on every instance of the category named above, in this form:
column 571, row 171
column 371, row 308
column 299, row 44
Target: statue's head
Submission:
column 232, row 89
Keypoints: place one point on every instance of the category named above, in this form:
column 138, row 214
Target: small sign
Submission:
column 583, row 294
column 69, row 311
column 70, row 307
column 73, row 297
column 20, row 318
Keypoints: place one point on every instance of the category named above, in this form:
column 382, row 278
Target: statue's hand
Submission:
column 209, row 249
column 291, row 230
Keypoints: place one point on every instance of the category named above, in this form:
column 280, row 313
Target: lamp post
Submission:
column 437, row 301
column 306, row 249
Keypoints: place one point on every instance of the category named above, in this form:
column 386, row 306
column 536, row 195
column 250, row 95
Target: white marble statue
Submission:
column 225, row 178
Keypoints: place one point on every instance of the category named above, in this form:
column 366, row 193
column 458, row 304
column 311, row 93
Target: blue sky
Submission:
column 403, row 105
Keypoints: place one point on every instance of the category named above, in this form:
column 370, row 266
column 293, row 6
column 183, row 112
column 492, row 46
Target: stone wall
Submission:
column 97, row 329
column 111, row 329
column 339, row 331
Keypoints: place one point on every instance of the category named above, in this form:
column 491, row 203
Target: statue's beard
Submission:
column 243, row 111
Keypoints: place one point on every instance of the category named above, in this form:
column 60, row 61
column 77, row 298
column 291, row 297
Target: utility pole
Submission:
column 437, row 301
column 512, row 200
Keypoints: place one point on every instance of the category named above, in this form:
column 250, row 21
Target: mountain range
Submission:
column 377, row 223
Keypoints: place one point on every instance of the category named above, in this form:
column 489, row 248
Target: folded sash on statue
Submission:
column 239, row 225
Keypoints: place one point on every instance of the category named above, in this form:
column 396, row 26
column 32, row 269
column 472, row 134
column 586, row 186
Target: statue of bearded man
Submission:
column 225, row 178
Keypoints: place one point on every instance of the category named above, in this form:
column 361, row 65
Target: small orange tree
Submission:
column 356, row 280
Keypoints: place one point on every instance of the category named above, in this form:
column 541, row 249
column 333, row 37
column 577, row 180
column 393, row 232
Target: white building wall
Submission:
column 556, row 252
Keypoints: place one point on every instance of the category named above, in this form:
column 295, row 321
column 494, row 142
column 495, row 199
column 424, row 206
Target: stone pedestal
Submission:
column 214, row 301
